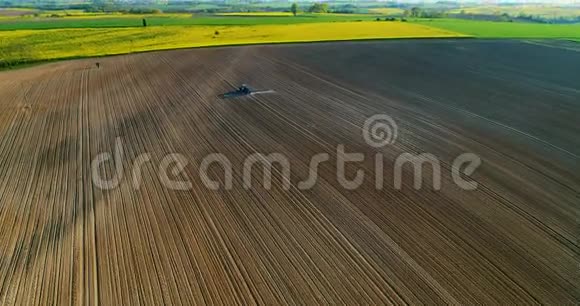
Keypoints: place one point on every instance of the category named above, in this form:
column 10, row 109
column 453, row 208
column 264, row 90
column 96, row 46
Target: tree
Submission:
column 103, row 5
column 319, row 8
column 504, row 17
column 415, row 12
column 294, row 8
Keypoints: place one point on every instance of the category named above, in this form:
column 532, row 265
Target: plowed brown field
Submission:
column 512, row 240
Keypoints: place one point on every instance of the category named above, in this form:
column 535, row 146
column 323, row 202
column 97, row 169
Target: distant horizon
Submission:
column 475, row 2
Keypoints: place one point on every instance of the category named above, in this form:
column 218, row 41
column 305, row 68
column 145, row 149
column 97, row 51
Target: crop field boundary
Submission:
column 531, row 40
column 34, row 63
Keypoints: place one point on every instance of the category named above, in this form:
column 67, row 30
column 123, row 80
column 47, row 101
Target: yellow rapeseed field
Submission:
column 34, row 45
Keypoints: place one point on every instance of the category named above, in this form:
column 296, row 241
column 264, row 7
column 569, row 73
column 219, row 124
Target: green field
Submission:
column 476, row 28
column 488, row 29
column 170, row 20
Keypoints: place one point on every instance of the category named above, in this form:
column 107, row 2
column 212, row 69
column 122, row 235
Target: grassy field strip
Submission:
column 33, row 45
column 129, row 20
column 485, row 29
